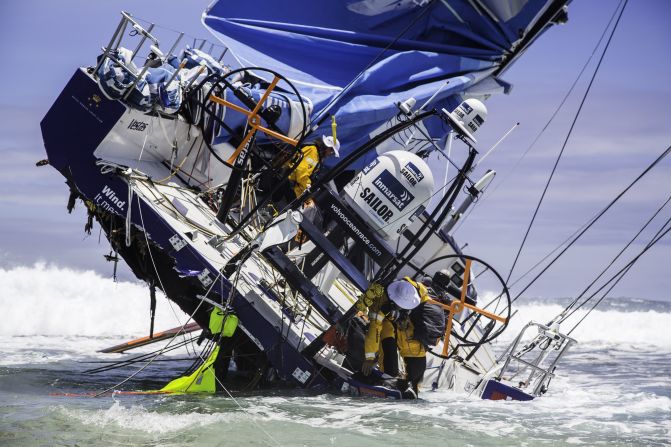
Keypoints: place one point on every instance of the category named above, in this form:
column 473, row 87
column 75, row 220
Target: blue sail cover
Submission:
column 358, row 58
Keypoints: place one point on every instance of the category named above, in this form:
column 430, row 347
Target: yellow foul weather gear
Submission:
column 301, row 175
column 380, row 328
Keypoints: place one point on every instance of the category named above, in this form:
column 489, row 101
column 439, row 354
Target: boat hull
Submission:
column 74, row 127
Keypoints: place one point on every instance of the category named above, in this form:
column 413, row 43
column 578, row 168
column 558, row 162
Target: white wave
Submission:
column 136, row 417
column 40, row 349
column 640, row 329
column 49, row 300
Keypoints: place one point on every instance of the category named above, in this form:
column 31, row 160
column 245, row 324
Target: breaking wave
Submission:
column 51, row 300
column 623, row 328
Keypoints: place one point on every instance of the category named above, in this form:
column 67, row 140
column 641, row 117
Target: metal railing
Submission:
column 145, row 35
column 532, row 364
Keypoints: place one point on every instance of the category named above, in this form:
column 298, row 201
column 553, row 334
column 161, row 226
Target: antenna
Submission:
column 407, row 105
column 440, row 89
column 495, row 145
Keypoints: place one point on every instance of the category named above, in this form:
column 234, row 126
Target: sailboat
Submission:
column 184, row 163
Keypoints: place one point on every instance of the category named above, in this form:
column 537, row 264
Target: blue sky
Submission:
column 624, row 125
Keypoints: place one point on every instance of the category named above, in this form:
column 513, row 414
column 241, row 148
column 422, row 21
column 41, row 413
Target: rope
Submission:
column 200, row 303
column 144, row 143
column 137, row 359
column 153, row 263
column 128, row 215
column 244, row 410
column 164, row 199
column 561, row 152
column 178, row 168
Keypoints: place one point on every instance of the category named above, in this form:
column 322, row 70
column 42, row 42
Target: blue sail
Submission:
column 357, row 59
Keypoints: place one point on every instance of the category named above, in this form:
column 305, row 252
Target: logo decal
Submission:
column 107, row 197
column 362, row 237
column 375, row 203
column 393, row 190
column 94, row 100
column 412, row 173
column 137, row 125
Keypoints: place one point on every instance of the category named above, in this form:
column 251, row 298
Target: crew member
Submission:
column 301, row 177
column 391, row 329
column 445, row 290
column 313, row 156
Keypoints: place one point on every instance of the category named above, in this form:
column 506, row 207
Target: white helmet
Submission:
column 468, row 117
column 333, row 144
column 403, row 294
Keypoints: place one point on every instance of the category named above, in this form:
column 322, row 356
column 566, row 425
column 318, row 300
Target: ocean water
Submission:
column 614, row 388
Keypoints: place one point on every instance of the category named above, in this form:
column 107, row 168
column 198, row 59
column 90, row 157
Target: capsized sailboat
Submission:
column 184, row 163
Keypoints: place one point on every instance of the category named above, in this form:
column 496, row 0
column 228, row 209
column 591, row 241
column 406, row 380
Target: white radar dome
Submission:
column 391, row 191
column 468, row 117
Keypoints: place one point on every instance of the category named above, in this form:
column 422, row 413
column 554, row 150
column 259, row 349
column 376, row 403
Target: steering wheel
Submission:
column 472, row 331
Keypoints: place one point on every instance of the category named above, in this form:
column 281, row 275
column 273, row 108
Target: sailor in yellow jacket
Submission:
column 301, row 177
column 391, row 329
column 313, row 155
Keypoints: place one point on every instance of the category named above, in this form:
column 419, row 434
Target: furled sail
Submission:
column 358, row 58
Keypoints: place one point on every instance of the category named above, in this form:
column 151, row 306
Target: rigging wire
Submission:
column 554, row 114
column 587, row 227
column 621, row 273
column 581, row 294
column 561, row 152
column 136, row 359
column 565, row 241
